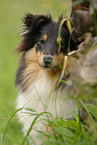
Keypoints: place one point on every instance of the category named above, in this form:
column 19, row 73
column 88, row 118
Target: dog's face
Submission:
column 47, row 47
column 42, row 32
column 42, row 48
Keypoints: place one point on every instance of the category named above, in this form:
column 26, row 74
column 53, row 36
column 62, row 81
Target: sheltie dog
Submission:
column 40, row 69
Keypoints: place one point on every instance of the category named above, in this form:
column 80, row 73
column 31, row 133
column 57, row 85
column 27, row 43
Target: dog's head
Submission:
column 43, row 33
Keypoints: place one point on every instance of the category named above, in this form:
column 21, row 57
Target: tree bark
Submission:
column 83, row 15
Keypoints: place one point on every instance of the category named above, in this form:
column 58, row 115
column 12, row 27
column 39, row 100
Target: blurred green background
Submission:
column 11, row 12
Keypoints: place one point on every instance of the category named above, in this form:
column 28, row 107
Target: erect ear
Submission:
column 75, row 40
column 31, row 30
column 74, row 37
column 34, row 21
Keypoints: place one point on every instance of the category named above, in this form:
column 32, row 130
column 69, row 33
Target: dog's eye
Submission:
column 41, row 42
column 63, row 47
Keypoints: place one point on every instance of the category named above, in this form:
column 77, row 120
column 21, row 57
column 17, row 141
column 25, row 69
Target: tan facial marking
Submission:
column 59, row 39
column 45, row 37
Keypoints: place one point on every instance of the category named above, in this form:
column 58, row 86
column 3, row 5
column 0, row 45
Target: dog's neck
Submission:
column 33, row 71
column 54, row 72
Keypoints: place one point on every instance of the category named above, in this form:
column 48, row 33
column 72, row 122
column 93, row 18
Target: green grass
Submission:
column 65, row 132
column 62, row 131
column 11, row 12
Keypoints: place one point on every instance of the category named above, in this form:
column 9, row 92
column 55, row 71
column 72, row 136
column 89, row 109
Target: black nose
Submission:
column 47, row 59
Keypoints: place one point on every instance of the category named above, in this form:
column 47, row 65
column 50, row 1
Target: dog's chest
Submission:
column 41, row 96
column 37, row 94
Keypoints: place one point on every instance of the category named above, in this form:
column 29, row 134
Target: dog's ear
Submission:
column 75, row 40
column 35, row 21
column 74, row 36
column 31, row 30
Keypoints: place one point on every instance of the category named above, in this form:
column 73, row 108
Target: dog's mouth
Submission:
column 47, row 67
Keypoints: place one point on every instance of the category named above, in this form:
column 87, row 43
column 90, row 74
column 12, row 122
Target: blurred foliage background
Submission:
column 11, row 13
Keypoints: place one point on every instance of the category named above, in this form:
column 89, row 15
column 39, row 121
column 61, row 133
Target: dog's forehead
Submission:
column 51, row 29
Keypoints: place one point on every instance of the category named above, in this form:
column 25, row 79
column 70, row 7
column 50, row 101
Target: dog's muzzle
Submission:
column 47, row 60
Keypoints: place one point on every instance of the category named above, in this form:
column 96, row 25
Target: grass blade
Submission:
column 29, row 130
column 9, row 122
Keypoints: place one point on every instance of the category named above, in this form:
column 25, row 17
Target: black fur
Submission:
column 35, row 23
column 35, row 27
column 19, row 73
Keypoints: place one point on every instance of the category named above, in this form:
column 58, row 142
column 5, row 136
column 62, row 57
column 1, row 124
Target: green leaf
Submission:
column 29, row 109
column 41, row 132
column 76, row 117
column 69, row 26
column 91, row 109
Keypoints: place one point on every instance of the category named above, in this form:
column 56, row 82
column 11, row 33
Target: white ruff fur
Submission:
column 39, row 93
